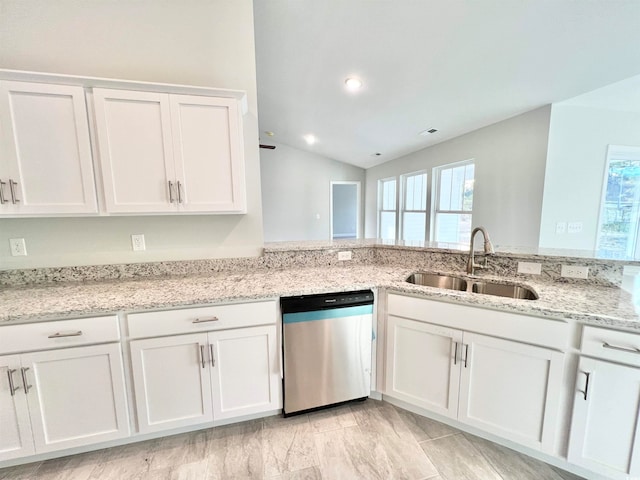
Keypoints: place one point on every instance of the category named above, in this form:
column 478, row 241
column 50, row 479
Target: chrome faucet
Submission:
column 488, row 250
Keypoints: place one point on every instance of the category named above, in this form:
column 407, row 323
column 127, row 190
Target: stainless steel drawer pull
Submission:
column 179, row 188
column 455, row 353
column 2, row 199
column 69, row 334
column 213, row 360
column 12, row 387
column 25, row 382
column 585, row 392
column 202, row 355
column 14, row 196
column 205, row 320
column 621, row 349
column 466, row 354
column 170, row 192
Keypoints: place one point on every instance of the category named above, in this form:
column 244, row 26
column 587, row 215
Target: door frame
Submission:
column 358, row 185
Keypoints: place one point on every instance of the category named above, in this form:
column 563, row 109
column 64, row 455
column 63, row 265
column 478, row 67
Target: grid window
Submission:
column 387, row 200
column 454, row 202
column 414, row 207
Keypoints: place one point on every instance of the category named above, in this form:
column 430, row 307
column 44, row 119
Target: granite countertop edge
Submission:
column 599, row 306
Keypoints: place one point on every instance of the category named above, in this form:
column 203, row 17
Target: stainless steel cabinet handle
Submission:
column 25, row 382
column 585, row 392
column 621, row 349
column 205, row 320
column 2, row 199
column 69, row 334
column 213, row 360
column 14, row 196
column 12, row 387
column 179, row 185
column 455, row 353
column 202, row 355
column 170, row 191
column 466, row 354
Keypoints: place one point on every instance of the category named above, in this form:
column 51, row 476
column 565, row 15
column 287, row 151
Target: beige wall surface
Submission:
column 193, row 42
column 510, row 158
column 296, row 191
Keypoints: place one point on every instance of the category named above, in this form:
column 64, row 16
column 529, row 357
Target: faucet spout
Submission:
column 488, row 250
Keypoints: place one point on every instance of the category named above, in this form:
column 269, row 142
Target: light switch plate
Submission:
column 344, row 255
column 574, row 271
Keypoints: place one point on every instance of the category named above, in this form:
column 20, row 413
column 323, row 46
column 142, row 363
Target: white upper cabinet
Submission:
column 45, row 152
column 165, row 153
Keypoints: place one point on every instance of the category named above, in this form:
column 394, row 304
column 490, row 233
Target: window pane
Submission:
column 415, row 197
column 620, row 212
column 453, row 227
column 457, row 188
column 467, row 200
column 445, row 189
column 389, row 194
column 413, row 226
column 388, row 225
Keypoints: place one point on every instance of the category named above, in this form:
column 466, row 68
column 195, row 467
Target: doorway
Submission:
column 345, row 210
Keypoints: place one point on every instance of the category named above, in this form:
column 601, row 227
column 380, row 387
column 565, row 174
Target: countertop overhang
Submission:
column 597, row 305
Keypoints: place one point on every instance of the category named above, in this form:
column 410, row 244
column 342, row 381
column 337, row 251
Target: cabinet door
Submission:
column 208, row 152
column 604, row 429
column 76, row 396
column 511, row 389
column 171, row 382
column 422, row 364
column 136, row 154
column 15, row 428
column 45, row 152
column 245, row 371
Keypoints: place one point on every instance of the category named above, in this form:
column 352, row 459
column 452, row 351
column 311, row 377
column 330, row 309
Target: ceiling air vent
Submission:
column 428, row 132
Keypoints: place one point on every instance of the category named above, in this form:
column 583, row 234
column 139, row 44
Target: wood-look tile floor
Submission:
column 367, row 440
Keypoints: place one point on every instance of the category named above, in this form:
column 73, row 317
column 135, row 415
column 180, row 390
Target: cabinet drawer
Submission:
column 59, row 333
column 219, row 317
column 611, row 344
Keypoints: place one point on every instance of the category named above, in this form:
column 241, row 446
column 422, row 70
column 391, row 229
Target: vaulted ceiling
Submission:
column 452, row 65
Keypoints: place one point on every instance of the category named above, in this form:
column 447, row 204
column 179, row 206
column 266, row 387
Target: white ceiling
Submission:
column 448, row 64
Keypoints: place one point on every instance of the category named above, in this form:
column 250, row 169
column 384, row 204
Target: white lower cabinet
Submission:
column 195, row 378
column 504, row 387
column 57, row 399
column 606, row 409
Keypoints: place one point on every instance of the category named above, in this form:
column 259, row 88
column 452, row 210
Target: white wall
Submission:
column 196, row 42
column 578, row 141
column 296, row 189
column 509, row 175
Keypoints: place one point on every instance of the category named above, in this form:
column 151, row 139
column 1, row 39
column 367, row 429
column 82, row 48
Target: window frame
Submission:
column 436, row 176
column 402, row 205
column 381, row 210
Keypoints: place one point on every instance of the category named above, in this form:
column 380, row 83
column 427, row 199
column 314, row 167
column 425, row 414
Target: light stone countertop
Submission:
column 596, row 305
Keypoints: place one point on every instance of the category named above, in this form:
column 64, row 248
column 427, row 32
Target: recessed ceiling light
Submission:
column 310, row 139
column 353, row 84
column 428, row 132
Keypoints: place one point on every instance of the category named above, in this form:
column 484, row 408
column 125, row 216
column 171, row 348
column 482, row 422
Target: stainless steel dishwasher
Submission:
column 327, row 349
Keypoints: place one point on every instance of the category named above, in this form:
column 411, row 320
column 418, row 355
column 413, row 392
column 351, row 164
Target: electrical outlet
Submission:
column 344, row 255
column 574, row 271
column 137, row 242
column 561, row 228
column 530, row 268
column 18, row 247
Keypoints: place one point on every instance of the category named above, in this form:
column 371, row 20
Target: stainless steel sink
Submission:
column 504, row 290
column 484, row 287
column 439, row 281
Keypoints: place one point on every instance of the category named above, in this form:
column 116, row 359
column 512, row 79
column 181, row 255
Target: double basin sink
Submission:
column 486, row 287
